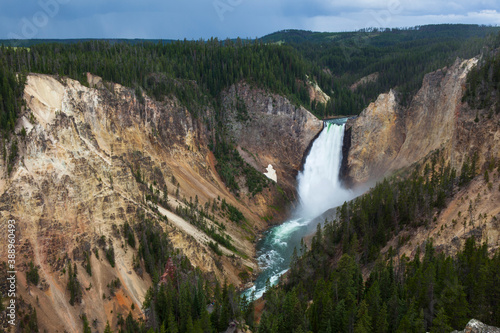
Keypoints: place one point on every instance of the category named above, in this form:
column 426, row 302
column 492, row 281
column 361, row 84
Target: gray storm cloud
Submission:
column 194, row 19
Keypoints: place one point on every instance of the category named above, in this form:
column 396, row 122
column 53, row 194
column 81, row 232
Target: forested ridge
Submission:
column 400, row 57
column 438, row 293
column 191, row 69
column 483, row 83
column 181, row 295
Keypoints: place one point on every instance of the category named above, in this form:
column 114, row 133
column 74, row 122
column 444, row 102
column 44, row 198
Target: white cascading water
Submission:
column 318, row 184
column 319, row 189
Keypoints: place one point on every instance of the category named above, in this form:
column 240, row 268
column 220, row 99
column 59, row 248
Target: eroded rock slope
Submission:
column 88, row 161
column 269, row 129
column 436, row 129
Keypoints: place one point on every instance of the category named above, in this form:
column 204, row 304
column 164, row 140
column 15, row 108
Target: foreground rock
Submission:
column 475, row 326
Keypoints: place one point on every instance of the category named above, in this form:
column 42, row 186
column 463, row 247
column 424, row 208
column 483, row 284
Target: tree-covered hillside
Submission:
column 483, row 83
column 335, row 60
column 325, row 291
column 383, row 36
column 399, row 57
column 345, row 283
column 438, row 293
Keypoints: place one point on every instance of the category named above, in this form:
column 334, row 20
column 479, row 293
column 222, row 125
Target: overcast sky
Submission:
column 194, row 19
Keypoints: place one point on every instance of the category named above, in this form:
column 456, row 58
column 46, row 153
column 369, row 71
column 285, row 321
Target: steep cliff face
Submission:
column 375, row 138
column 432, row 119
column 436, row 129
column 269, row 129
column 90, row 157
column 473, row 210
column 386, row 136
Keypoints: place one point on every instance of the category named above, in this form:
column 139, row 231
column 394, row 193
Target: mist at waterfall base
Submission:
column 319, row 189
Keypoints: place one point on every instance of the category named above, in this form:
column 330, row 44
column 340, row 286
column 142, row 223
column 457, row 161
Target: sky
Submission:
column 195, row 19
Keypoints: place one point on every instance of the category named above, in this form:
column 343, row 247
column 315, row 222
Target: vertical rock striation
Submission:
column 85, row 166
column 386, row 136
column 273, row 131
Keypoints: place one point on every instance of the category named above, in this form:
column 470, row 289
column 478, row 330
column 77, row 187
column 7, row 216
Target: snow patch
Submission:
column 271, row 173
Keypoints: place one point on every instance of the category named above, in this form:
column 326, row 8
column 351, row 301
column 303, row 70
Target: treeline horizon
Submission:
column 400, row 57
column 14, row 42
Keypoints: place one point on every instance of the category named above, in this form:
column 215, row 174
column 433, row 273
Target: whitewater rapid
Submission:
column 319, row 189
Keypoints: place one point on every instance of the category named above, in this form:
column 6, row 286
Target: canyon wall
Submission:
column 269, row 129
column 88, row 161
column 436, row 129
column 387, row 136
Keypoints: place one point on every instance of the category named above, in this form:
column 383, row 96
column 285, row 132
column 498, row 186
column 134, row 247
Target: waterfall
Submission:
column 319, row 189
column 318, row 184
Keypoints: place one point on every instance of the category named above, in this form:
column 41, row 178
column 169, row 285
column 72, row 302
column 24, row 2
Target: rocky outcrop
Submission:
column 475, row 326
column 316, row 94
column 373, row 77
column 270, row 130
column 386, row 136
column 376, row 137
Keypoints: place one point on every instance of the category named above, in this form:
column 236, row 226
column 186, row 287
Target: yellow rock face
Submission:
column 75, row 181
column 436, row 126
column 387, row 136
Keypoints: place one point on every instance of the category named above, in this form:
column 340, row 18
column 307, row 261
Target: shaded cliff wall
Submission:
column 273, row 131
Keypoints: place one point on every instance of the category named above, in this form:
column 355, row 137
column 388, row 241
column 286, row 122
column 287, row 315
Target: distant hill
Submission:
column 378, row 37
column 384, row 37
column 373, row 61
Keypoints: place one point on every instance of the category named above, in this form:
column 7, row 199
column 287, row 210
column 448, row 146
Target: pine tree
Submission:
column 172, row 324
column 374, row 301
column 86, row 326
column 73, row 285
column 225, row 315
column 205, row 321
column 381, row 324
column 440, row 324
column 363, row 324
column 107, row 329
column 341, row 319
column 189, row 325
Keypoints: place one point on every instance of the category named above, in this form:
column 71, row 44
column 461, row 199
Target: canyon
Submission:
column 92, row 155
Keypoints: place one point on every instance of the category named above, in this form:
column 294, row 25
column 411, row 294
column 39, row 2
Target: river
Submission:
column 319, row 189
